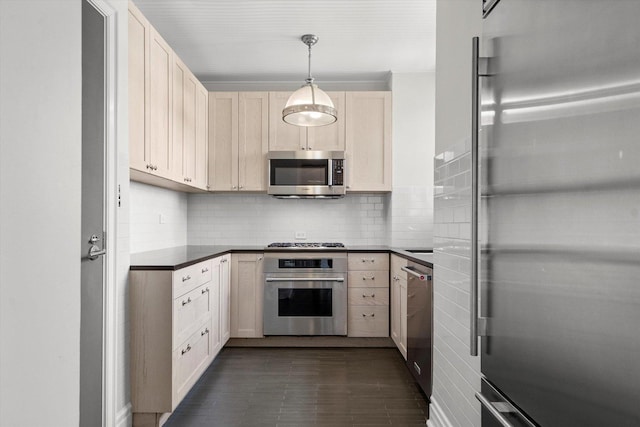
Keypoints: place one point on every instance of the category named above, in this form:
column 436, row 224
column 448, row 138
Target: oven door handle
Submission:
column 304, row 279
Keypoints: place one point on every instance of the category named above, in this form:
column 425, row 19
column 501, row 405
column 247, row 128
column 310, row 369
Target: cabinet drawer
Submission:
column 190, row 359
column 368, row 296
column 371, row 279
column 368, row 321
column 185, row 280
column 368, row 261
column 204, row 271
column 189, row 312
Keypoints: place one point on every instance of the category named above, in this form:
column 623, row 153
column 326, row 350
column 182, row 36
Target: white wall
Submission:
column 456, row 375
column 158, row 218
column 40, row 159
column 411, row 206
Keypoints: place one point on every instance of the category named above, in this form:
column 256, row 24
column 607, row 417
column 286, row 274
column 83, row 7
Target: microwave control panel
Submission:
column 338, row 172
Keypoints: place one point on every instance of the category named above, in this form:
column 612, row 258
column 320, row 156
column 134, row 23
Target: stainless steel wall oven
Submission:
column 305, row 293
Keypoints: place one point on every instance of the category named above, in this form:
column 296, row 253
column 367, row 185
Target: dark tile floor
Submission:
column 303, row 387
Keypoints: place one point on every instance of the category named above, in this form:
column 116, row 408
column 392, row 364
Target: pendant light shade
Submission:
column 309, row 106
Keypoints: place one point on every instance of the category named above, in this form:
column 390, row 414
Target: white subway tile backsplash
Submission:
column 158, row 218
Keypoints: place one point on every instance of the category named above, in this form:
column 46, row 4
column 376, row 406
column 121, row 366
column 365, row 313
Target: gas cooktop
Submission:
column 306, row 245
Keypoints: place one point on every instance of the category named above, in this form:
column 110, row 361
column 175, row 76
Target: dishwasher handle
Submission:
column 304, row 279
column 420, row 276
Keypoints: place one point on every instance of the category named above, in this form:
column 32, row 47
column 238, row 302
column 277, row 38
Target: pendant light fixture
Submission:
column 309, row 106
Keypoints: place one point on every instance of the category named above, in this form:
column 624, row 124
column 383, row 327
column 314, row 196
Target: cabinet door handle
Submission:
column 186, row 302
column 204, row 291
column 185, row 278
column 204, row 270
column 186, row 350
column 205, row 332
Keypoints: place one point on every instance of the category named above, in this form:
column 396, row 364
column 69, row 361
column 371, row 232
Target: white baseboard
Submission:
column 437, row 417
column 123, row 417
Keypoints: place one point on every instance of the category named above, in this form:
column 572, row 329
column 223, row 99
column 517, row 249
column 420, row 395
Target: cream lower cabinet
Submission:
column 222, row 266
column 247, row 288
column 175, row 318
column 238, row 141
column 368, row 295
column 368, row 141
column 284, row 136
column 399, row 304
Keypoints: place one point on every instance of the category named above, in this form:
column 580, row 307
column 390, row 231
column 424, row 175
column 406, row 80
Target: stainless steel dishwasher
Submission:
column 420, row 324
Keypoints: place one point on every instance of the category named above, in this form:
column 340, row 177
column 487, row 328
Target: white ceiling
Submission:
column 259, row 40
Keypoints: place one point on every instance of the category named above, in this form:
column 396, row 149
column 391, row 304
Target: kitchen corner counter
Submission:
column 184, row 256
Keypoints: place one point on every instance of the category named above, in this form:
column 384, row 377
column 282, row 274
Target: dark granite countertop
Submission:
column 183, row 256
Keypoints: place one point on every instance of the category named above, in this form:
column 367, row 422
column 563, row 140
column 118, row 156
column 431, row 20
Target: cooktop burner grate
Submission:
column 305, row 245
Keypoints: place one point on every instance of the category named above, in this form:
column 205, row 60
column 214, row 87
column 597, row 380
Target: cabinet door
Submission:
column 214, row 302
column 189, row 142
column 201, row 135
column 223, row 141
column 253, row 136
column 159, row 104
column 330, row 137
column 395, row 310
column 246, row 295
column 368, row 141
column 402, row 345
column 225, row 300
column 282, row 135
column 138, row 65
column 180, row 72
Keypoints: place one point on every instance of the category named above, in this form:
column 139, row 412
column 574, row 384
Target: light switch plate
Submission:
column 301, row 235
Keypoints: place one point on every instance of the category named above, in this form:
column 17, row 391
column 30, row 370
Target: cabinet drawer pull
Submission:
column 186, row 350
column 204, row 270
column 186, row 302
column 204, row 291
column 184, row 279
column 205, row 332
column 368, row 296
column 369, row 315
column 370, row 278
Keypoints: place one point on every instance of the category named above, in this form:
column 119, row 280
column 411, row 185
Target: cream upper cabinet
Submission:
column 253, row 134
column 286, row 137
column 190, row 123
column 246, row 295
column 223, row 141
column 168, row 112
column 159, row 104
column 282, row 135
column 238, row 135
column 368, row 141
column 138, row 46
column 180, row 72
column 330, row 137
column 201, row 137
column 150, row 109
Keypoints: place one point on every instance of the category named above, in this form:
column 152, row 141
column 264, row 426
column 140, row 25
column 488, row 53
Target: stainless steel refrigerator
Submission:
column 558, row 223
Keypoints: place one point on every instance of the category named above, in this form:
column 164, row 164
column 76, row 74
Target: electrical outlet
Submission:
column 301, row 235
column 162, row 218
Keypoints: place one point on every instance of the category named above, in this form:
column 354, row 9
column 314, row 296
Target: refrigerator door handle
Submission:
column 477, row 325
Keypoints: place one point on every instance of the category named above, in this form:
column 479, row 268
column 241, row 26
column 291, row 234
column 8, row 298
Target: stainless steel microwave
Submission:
column 306, row 174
